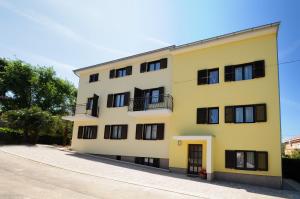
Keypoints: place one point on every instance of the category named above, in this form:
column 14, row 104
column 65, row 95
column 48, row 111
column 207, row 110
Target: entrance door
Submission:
column 195, row 159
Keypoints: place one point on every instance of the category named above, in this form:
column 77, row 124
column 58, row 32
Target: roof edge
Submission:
column 174, row 47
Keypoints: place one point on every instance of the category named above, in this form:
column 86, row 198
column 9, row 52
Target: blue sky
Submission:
column 69, row 34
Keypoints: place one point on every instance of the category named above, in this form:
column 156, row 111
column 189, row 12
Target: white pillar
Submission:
column 209, row 159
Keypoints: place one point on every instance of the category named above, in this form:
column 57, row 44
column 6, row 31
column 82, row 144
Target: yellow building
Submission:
column 208, row 108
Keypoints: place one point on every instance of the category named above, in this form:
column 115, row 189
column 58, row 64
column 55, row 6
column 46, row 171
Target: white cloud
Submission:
column 59, row 28
column 158, row 41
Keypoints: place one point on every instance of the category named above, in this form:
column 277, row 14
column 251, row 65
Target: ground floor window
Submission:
column 246, row 160
column 153, row 162
column 87, row 132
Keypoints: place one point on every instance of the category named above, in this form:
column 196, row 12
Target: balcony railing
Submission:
column 86, row 109
column 151, row 103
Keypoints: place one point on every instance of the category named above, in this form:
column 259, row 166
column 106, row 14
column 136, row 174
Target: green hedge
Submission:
column 291, row 168
column 10, row 136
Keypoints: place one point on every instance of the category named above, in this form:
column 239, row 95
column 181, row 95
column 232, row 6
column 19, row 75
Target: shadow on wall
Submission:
column 249, row 188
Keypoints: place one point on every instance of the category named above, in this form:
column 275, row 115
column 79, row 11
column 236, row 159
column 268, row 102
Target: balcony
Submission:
column 85, row 112
column 161, row 105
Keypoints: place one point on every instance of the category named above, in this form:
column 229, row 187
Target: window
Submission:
column 245, row 71
column 150, row 131
column 213, row 76
column 115, row 132
column 246, row 113
column 154, row 65
column 213, row 115
column 154, row 96
column 118, row 100
column 153, row 162
column 89, row 103
column 210, row 76
column 94, row 77
column 208, row 115
column 121, row 72
column 87, row 132
column 246, row 160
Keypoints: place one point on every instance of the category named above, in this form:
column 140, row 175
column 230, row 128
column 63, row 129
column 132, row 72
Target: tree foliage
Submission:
column 33, row 99
column 32, row 121
column 27, row 86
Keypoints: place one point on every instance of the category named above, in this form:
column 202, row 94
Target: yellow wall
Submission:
column 188, row 96
column 110, row 116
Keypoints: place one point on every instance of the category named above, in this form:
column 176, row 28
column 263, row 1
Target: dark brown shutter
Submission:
column 201, row 115
column 96, row 77
column 110, row 100
column 163, row 63
column 126, row 98
column 161, row 94
column 229, row 73
column 95, row 131
column 261, row 161
column 202, row 77
column 112, row 73
column 80, row 132
column 143, row 67
column 139, row 131
column 107, row 132
column 258, row 69
column 160, row 131
column 124, row 131
column 261, row 113
column 230, row 159
column 229, row 114
column 129, row 70
column 91, row 78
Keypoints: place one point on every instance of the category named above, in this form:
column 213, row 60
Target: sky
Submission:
column 70, row 34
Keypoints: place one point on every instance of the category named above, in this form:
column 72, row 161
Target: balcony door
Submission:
column 95, row 105
column 138, row 103
column 195, row 159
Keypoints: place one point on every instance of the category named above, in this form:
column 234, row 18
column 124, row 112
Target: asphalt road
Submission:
column 22, row 178
column 45, row 172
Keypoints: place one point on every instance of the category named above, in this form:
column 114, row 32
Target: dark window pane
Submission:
column 213, row 116
column 238, row 73
column 214, row 77
column 240, row 159
column 248, row 72
column 239, row 115
column 249, row 114
column 250, row 164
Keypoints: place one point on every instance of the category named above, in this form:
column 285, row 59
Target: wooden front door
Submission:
column 195, row 159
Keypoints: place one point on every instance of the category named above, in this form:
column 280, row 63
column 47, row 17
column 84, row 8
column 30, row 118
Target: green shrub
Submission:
column 10, row 136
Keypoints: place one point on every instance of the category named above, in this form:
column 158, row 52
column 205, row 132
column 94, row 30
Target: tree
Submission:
column 16, row 80
column 295, row 154
column 27, row 86
column 32, row 122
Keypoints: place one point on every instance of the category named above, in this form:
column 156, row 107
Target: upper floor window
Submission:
column 154, row 65
column 208, row 76
column 118, row 100
column 245, row 71
column 87, row 132
column 246, row 113
column 94, row 77
column 121, row 72
column 150, row 131
column 246, row 160
column 115, row 131
column 208, row 115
